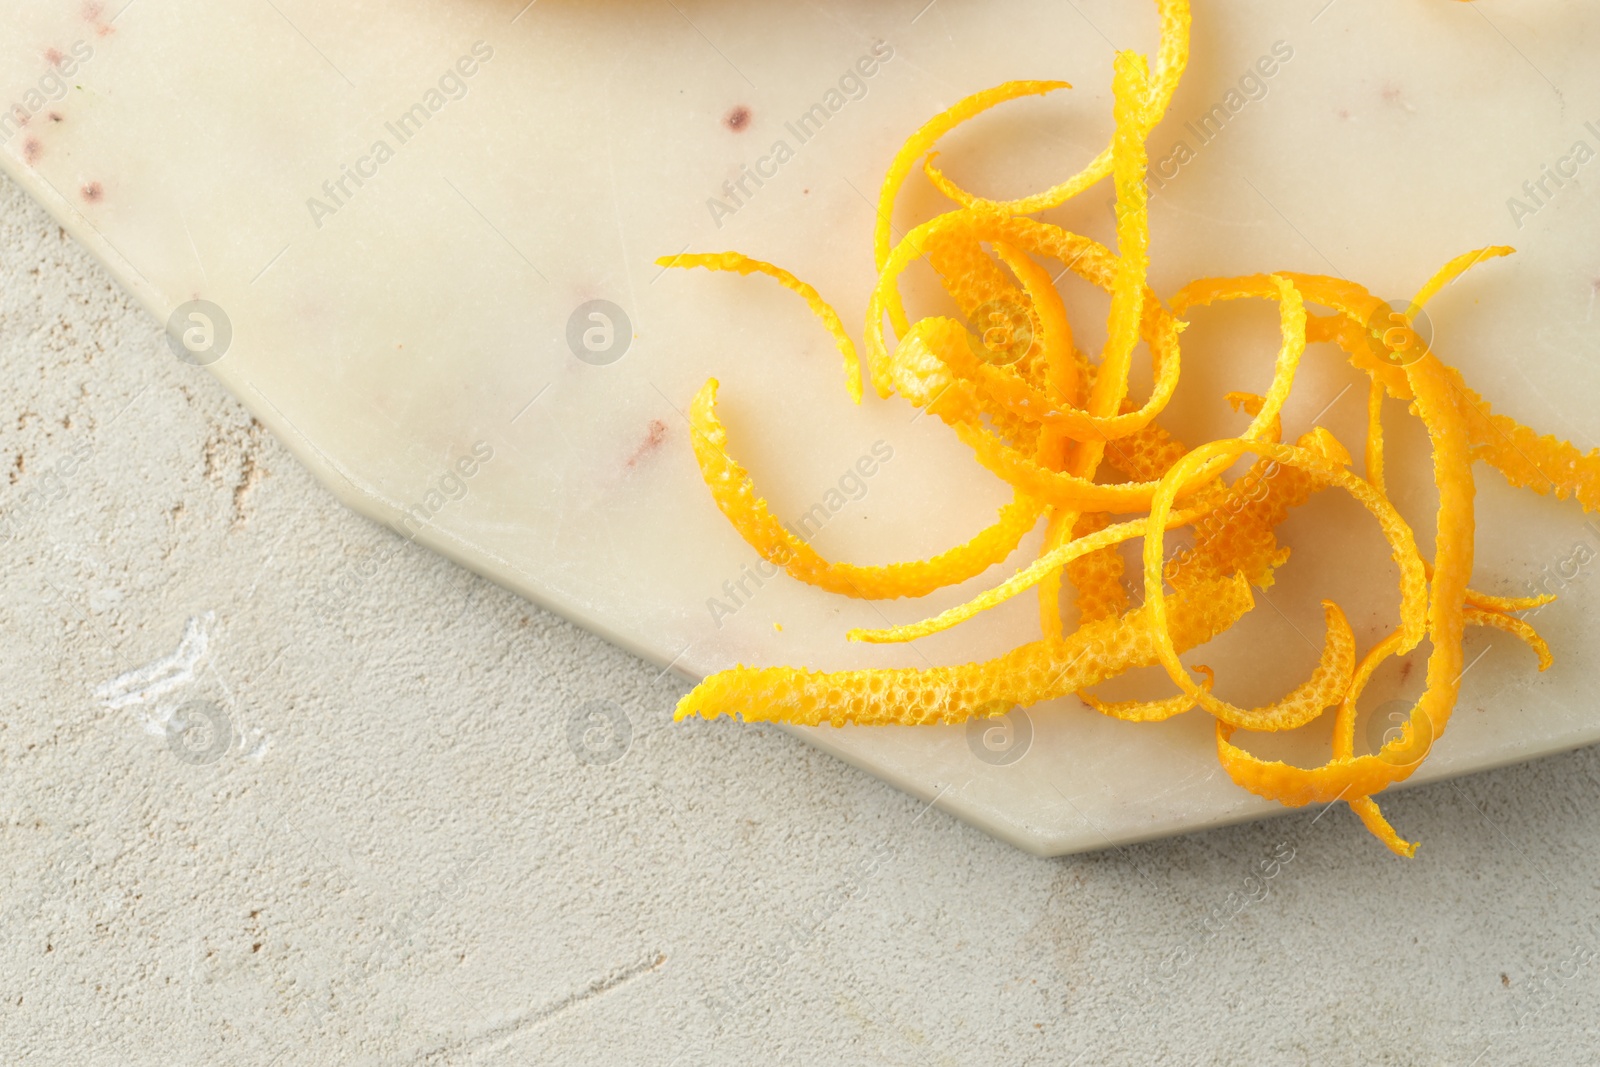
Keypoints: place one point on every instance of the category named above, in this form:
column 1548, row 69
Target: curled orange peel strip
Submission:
column 1063, row 381
column 1374, row 453
column 925, row 138
column 735, row 493
column 1526, row 458
column 1061, row 373
column 1345, row 721
column 741, row 264
column 1371, row 817
column 1172, row 58
column 1344, row 727
column 1501, row 604
column 1038, row 671
column 1517, row 628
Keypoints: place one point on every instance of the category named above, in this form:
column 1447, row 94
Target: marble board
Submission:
column 416, row 239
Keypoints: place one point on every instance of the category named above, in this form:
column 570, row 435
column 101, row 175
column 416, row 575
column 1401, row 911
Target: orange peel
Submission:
column 1172, row 58
column 1059, row 427
column 735, row 493
column 742, row 264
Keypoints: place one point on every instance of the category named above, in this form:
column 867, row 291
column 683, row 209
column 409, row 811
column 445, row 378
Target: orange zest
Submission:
column 1060, row 427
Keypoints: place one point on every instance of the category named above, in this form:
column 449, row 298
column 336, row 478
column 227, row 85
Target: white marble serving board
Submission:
column 402, row 330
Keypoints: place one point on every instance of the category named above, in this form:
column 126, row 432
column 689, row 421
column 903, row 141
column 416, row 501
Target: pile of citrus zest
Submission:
column 1059, row 426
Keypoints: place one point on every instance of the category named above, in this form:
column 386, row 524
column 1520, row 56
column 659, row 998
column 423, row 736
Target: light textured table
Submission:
column 402, row 857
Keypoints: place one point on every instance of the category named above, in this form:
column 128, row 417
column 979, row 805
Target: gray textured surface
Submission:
column 400, row 858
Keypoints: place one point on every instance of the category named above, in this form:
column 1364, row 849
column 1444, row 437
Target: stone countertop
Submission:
column 391, row 835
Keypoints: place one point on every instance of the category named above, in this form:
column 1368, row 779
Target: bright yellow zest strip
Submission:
column 735, row 493
column 739, row 264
